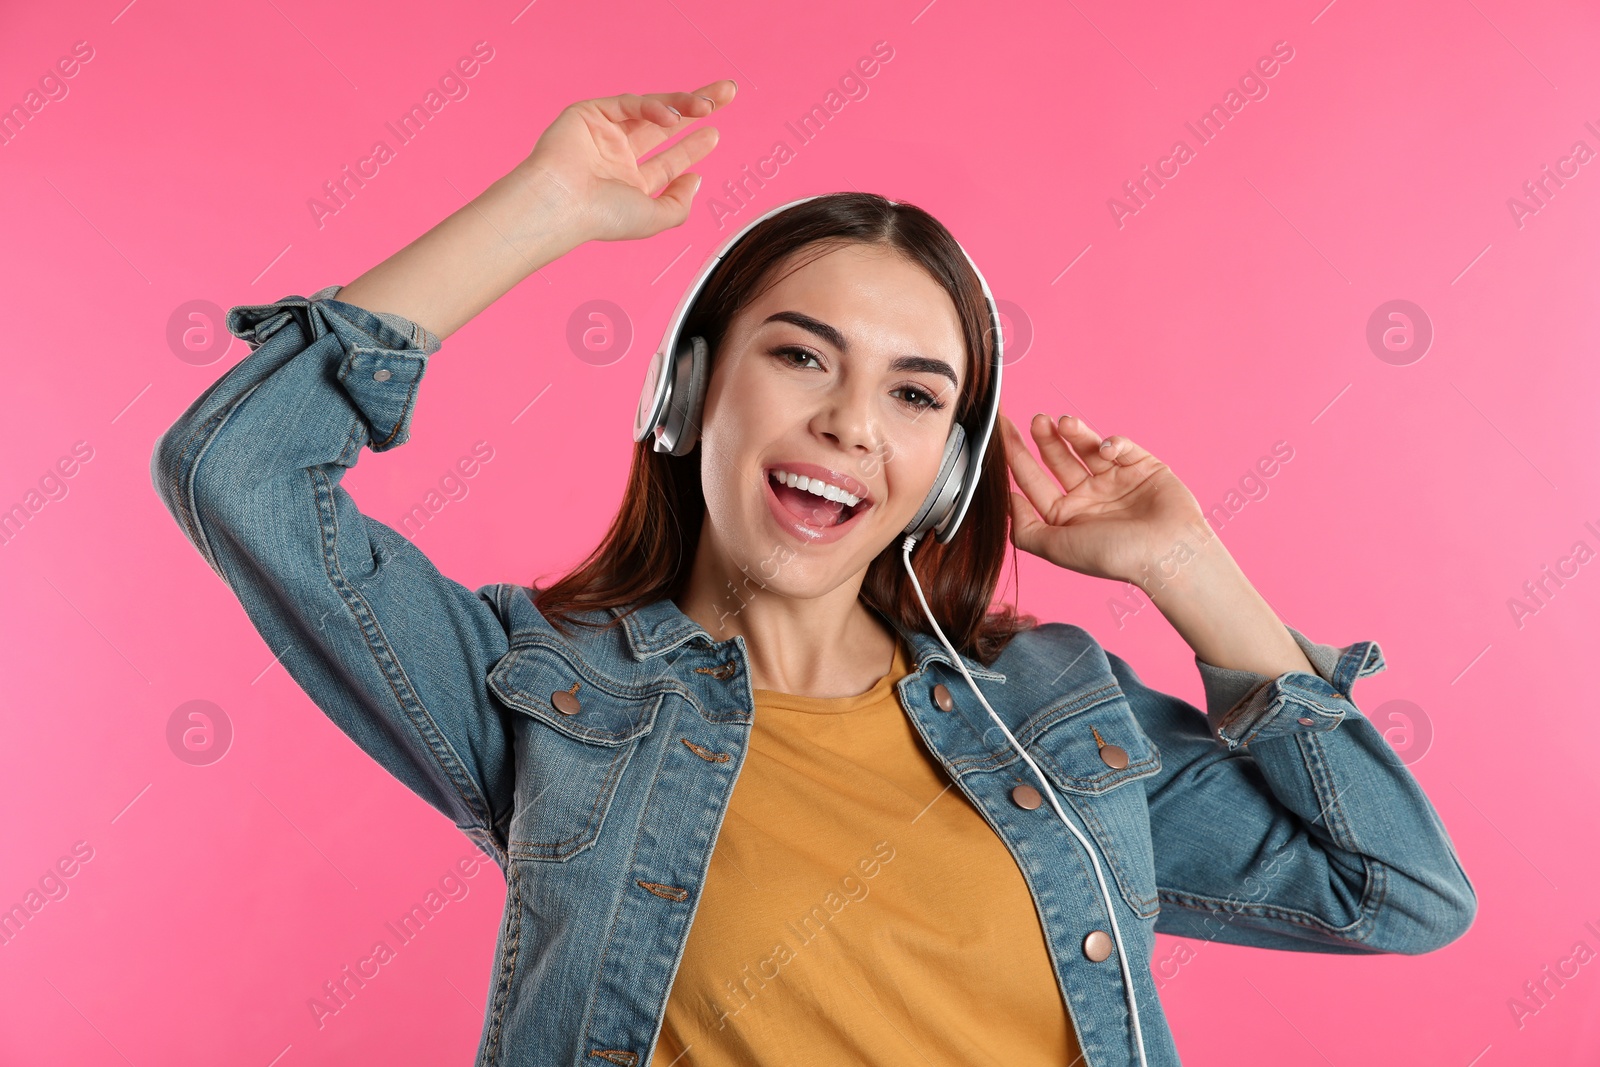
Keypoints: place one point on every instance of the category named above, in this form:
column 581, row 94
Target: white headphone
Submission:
column 670, row 409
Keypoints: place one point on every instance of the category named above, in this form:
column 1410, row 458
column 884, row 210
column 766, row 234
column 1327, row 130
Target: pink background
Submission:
column 1228, row 314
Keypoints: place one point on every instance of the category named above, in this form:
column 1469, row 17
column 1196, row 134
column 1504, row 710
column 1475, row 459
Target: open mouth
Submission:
column 806, row 506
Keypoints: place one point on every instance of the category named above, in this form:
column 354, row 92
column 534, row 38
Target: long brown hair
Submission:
column 648, row 551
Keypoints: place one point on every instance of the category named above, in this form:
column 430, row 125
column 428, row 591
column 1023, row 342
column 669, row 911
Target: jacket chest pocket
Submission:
column 1094, row 758
column 574, row 736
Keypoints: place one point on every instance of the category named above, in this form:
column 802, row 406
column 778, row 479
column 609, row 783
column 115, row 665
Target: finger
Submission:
column 1055, row 450
column 1122, row 451
column 1025, row 523
column 645, row 121
column 631, row 107
column 1085, row 442
column 1035, row 482
column 672, row 206
column 682, row 109
column 1057, row 508
column 652, row 125
column 661, row 168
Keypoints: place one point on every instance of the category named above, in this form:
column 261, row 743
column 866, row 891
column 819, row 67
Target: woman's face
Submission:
column 848, row 368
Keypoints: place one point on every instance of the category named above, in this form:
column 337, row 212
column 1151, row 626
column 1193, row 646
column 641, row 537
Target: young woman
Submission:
column 887, row 883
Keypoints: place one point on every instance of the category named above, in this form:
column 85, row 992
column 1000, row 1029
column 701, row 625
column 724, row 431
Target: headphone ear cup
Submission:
column 938, row 505
column 691, row 372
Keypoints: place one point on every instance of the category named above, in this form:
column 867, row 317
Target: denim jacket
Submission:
column 1278, row 818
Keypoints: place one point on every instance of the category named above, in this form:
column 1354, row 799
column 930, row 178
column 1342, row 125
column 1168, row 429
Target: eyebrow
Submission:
column 832, row 335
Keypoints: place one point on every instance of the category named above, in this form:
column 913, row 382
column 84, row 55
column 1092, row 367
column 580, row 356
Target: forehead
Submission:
column 883, row 303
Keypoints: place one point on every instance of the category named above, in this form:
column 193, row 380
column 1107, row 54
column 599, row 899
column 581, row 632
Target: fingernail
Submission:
column 708, row 100
column 675, row 111
column 1107, row 446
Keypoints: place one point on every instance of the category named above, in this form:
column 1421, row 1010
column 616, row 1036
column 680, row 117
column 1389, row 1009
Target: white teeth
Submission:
column 815, row 485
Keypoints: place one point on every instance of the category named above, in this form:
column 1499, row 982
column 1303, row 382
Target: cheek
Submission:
column 910, row 468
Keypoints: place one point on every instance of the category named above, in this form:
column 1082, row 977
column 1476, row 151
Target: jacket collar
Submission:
column 661, row 626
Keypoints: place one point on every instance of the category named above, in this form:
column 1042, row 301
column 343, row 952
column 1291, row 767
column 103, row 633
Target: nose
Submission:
column 848, row 418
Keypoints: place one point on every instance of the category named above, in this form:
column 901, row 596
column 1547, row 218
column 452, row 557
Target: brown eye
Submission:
column 929, row 402
column 790, row 350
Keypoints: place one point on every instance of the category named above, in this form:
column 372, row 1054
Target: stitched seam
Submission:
column 1377, row 887
column 1110, row 849
column 1312, row 703
column 659, row 685
column 191, row 523
column 1118, row 776
column 616, row 911
column 1142, row 769
column 1261, row 721
column 191, row 520
column 607, row 784
column 482, row 837
column 508, row 964
column 643, row 644
column 1239, row 710
column 560, row 723
column 352, row 444
column 1067, row 709
column 583, row 670
column 399, row 685
column 1326, row 791
column 404, row 411
column 1214, row 906
column 1374, row 895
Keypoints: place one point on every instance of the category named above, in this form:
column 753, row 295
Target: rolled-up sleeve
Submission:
column 1243, row 706
column 1282, row 818
column 395, row 653
column 384, row 355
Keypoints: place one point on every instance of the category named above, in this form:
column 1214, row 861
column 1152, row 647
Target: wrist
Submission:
column 548, row 217
column 1185, row 559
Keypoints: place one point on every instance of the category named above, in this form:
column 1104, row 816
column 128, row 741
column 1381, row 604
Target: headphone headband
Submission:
column 674, row 391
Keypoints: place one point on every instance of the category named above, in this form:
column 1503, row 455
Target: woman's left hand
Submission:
column 1128, row 513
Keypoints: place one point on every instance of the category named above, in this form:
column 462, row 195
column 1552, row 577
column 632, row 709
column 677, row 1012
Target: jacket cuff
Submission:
column 1243, row 706
column 385, row 354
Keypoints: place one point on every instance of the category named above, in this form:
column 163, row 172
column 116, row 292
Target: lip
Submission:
column 832, row 477
column 815, row 535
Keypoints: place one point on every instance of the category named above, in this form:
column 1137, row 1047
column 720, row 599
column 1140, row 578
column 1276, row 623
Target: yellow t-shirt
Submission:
column 858, row 909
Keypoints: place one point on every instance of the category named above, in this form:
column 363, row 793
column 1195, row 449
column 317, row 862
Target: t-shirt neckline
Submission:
column 899, row 668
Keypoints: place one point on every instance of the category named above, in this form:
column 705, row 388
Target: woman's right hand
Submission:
column 589, row 161
column 583, row 182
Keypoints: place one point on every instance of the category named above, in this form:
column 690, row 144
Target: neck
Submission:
column 831, row 645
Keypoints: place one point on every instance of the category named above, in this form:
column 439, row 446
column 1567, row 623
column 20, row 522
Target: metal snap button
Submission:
column 1026, row 796
column 382, row 375
column 1097, row 946
column 565, row 702
column 1114, row 756
column 1306, row 720
column 942, row 697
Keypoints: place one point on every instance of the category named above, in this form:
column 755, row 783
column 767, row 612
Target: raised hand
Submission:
column 1123, row 517
column 591, row 160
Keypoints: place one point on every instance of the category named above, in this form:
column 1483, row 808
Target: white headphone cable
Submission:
column 1122, row 956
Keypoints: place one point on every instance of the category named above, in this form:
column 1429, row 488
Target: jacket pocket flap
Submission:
column 1091, row 748
column 560, row 689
